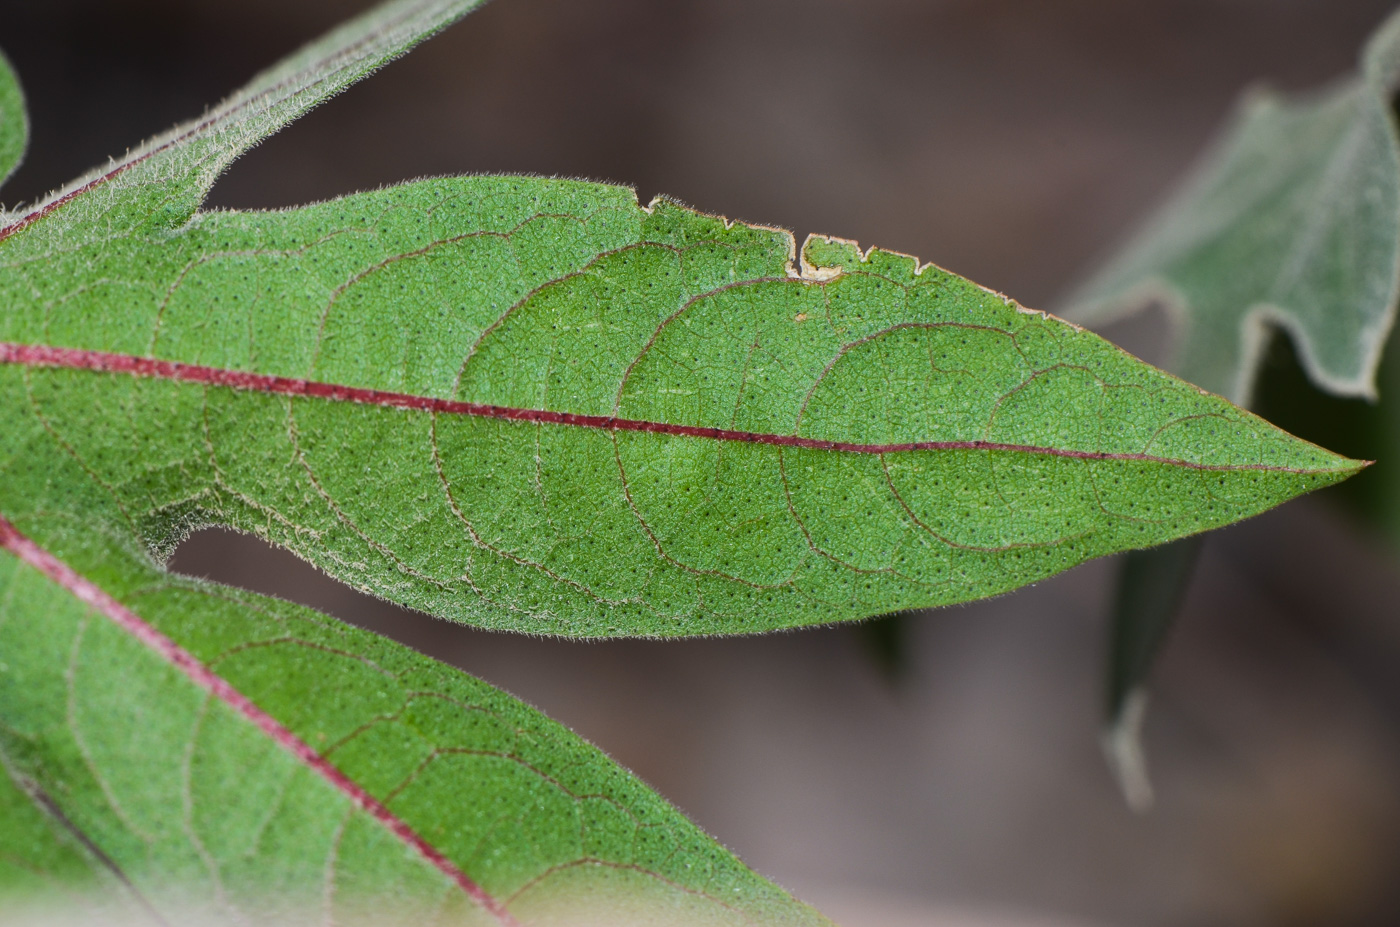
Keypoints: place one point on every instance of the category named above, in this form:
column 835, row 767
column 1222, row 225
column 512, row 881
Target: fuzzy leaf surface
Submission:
column 533, row 404
column 274, row 763
column 1291, row 222
column 522, row 403
column 172, row 751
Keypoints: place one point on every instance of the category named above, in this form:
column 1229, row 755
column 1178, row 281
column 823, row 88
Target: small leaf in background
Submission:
column 885, row 640
column 1366, row 429
column 1293, row 222
column 1290, row 224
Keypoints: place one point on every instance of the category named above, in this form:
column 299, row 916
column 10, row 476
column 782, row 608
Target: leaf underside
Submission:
column 521, row 403
column 173, row 751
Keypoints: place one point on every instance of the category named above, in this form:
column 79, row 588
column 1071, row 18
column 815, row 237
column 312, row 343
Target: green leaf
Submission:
column 524, row 403
column 14, row 121
column 535, row 405
column 36, row 855
column 1291, row 222
column 268, row 761
column 168, row 743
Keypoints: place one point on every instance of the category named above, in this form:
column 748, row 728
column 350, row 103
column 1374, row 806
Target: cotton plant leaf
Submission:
column 1292, row 222
column 14, row 121
column 272, row 762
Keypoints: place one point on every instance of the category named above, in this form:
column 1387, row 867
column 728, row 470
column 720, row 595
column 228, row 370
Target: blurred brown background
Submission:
column 1012, row 141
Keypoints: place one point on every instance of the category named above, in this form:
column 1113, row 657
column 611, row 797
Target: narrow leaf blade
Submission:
column 1151, row 586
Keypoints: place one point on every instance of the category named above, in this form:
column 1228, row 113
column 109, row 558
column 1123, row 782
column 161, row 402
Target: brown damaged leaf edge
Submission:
column 105, row 362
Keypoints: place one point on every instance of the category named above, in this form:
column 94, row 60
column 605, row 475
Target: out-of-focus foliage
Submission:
column 1291, row 222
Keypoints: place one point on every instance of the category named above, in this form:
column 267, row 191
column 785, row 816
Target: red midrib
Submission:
column 78, row 359
column 90, row 594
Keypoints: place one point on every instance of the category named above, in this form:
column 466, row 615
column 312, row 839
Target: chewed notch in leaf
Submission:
column 535, row 404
